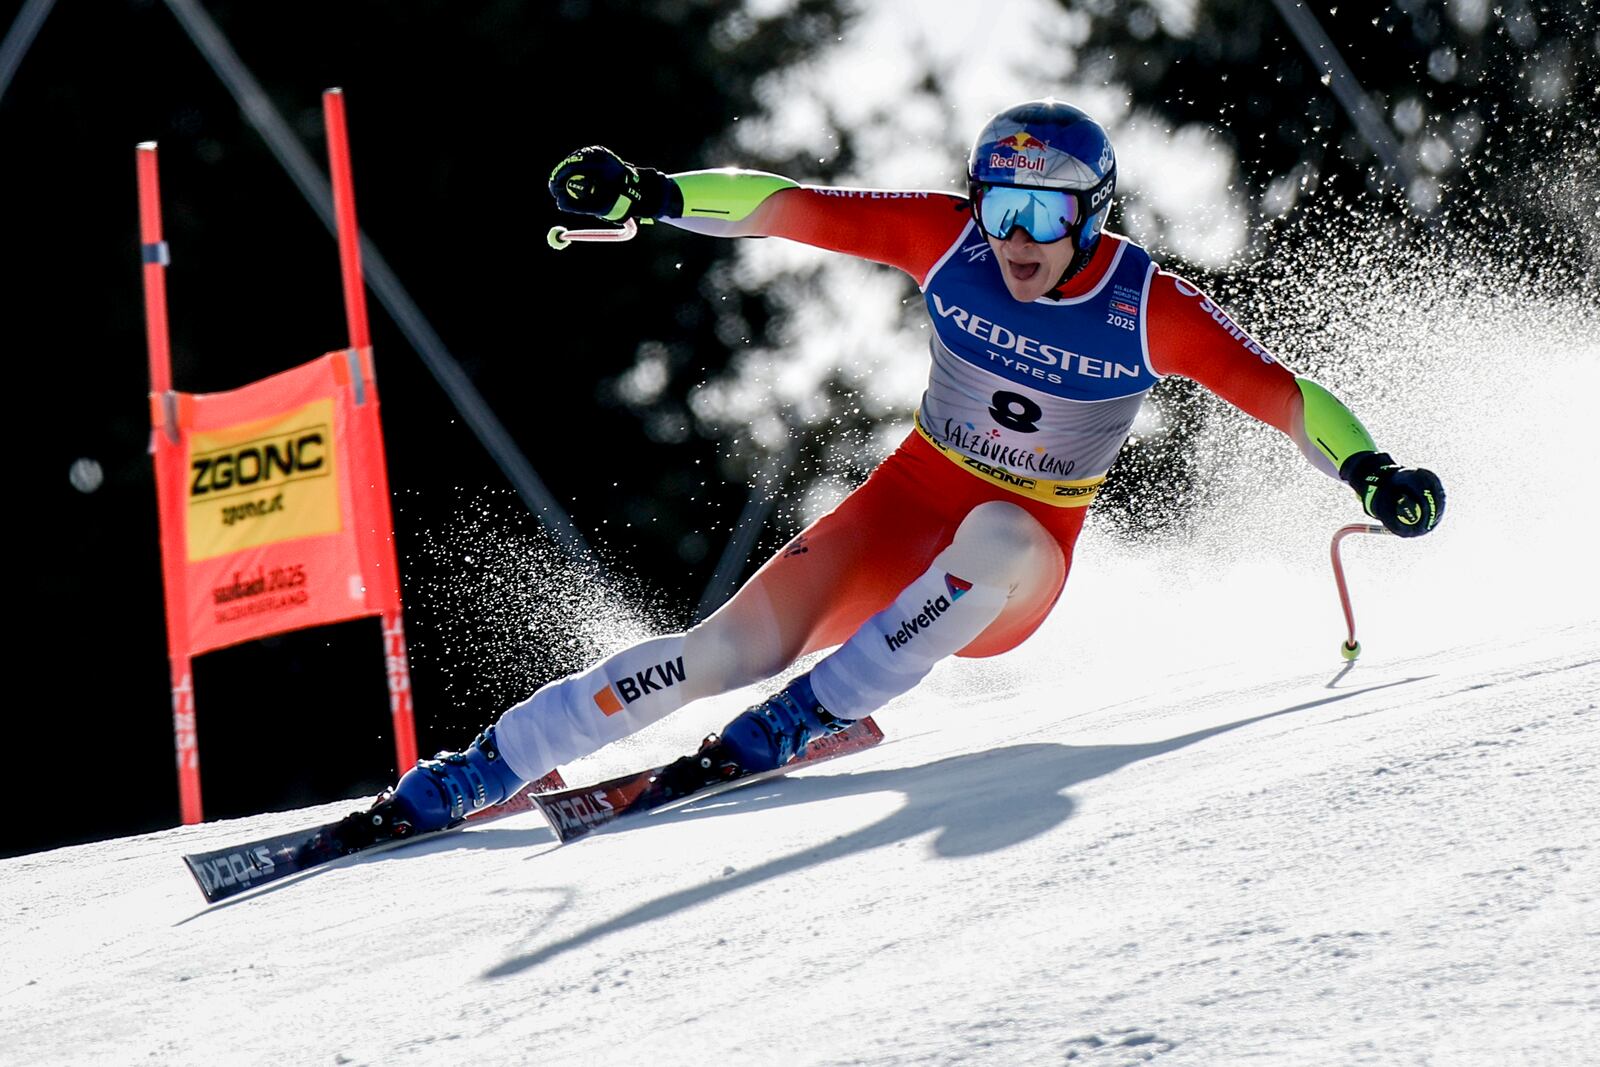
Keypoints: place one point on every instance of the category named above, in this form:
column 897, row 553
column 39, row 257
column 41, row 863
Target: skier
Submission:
column 1047, row 333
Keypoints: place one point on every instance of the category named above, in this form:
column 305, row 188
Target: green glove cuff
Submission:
column 1330, row 426
column 727, row 194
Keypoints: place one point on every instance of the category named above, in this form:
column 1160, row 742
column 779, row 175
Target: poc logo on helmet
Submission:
column 1100, row 196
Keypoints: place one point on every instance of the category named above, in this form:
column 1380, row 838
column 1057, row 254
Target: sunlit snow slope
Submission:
column 1168, row 828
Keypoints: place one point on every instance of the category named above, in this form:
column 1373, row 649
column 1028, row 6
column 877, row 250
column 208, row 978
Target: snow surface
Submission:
column 1187, row 841
column 1170, row 827
column 1227, row 861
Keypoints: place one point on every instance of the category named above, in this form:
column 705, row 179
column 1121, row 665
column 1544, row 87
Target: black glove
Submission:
column 594, row 181
column 1409, row 501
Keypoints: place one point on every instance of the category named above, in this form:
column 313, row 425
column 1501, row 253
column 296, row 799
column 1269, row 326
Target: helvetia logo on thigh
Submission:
column 955, row 588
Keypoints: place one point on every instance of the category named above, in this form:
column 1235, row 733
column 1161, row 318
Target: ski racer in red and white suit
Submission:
column 960, row 541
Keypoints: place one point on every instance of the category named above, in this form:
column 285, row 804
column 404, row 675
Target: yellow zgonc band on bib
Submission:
column 1075, row 494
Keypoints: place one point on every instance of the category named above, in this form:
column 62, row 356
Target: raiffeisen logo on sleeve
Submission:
column 261, row 482
column 613, row 698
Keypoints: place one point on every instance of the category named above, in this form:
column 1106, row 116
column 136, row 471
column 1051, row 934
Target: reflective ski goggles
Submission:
column 1045, row 215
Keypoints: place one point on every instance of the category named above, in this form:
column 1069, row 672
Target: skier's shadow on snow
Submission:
column 978, row 803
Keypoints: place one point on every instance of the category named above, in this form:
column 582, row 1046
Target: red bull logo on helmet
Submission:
column 1021, row 141
column 1026, row 152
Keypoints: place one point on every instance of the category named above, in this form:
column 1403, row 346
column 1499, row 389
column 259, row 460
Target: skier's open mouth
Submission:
column 1021, row 272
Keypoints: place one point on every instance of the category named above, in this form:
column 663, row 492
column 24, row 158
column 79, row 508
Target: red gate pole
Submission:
column 396, row 660
column 153, row 254
column 344, row 210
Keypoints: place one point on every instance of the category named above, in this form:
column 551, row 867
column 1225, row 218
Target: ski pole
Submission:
column 560, row 237
column 1351, row 648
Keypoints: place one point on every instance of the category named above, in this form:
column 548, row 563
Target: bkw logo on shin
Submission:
column 613, row 698
column 955, row 589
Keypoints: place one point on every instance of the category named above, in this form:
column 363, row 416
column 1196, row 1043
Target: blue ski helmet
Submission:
column 1043, row 145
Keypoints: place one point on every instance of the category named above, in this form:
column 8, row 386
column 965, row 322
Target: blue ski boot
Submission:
column 776, row 730
column 442, row 791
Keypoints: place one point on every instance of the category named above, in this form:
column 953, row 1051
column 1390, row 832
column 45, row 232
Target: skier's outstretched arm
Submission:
column 908, row 230
column 1189, row 334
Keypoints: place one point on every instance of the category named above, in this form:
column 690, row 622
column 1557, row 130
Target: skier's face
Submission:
column 1030, row 269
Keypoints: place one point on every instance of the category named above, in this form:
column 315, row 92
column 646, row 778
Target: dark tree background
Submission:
column 1495, row 108
column 1473, row 91
column 457, row 112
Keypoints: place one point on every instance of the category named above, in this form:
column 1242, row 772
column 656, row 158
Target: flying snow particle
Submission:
column 86, row 475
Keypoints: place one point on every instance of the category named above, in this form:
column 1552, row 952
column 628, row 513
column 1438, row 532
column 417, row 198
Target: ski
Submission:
column 575, row 812
column 227, row 872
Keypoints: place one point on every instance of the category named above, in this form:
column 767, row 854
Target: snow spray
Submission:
column 511, row 609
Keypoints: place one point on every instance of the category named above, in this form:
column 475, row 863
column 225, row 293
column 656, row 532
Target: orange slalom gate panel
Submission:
column 275, row 498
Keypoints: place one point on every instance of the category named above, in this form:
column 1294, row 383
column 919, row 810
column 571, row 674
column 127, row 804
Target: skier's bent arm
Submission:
column 1191, row 336
column 908, row 230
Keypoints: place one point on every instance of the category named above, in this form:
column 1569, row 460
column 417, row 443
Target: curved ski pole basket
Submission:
column 1351, row 648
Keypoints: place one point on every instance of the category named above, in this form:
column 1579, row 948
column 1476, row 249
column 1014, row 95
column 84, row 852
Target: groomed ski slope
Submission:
column 1169, row 828
column 1198, row 858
